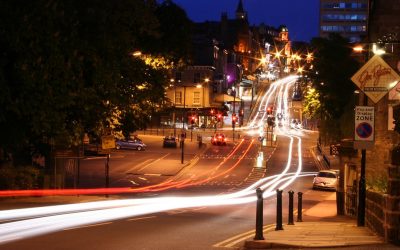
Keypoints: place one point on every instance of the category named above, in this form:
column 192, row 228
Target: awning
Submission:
column 226, row 98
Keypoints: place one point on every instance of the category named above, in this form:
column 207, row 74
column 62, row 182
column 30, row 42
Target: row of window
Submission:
column 179, row 99
column 344, row 17
column 197, row 77
column 345, row 6
column 344, row 28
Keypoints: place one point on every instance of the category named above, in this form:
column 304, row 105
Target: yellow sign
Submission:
column 376, row 78
column 107, row 142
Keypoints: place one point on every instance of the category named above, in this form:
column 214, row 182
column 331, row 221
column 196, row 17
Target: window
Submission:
column 178, row 97
column 196, row 97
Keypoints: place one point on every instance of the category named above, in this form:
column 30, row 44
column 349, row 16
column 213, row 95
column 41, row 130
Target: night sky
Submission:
column 300, row 16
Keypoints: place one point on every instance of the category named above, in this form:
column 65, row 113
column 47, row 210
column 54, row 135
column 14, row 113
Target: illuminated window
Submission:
column 196, row 97
column 178, row 97
column 241, row 47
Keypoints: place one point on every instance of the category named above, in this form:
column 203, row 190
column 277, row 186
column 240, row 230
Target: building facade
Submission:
column 349, row 18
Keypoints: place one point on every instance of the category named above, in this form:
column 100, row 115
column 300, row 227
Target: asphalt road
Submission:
column 215, row 172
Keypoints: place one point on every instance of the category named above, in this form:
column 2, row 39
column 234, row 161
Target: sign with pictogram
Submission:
column 107, row 142
column 364, row 121
column 376, row 78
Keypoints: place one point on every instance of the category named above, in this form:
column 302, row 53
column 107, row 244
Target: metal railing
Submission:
column 351, row 201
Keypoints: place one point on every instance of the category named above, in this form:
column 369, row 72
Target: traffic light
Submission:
column 234, row 119
column 269, row 110
column 193, row 119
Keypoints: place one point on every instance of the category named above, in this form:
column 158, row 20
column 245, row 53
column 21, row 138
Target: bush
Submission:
column 378, row 183
column 25, row 177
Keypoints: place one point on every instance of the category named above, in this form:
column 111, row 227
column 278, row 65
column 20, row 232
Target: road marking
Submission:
column 142, row 218
column 93, row 225
column 152, row 174
column 141, row 164
column 153, row 162
column 228, row 243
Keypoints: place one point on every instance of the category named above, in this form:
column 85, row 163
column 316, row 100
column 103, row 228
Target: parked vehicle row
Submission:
column 168, row 142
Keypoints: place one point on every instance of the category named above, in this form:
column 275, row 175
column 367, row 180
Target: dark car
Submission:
column 218, row 139
column 130, row 144
column 170, row 142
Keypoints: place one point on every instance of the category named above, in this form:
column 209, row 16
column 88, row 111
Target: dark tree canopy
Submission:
column 66, row 68
column 332, row 72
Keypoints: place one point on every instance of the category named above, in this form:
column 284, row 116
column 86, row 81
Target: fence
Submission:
column 351, row 201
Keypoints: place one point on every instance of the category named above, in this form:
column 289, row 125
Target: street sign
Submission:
column 364, row 121
column 376, row 78
column 107, row 142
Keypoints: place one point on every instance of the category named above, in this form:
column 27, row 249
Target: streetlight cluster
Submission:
column 280, row 61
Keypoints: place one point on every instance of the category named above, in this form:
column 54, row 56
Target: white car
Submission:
column 326, row 179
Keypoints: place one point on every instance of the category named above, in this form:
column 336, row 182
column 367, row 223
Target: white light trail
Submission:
column 31, row 222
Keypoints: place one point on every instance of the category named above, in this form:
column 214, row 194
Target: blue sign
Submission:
column 364, row 130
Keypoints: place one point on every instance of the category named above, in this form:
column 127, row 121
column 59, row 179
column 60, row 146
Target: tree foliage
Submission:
column 332, row 72
column 67, row 68
column 312, row 104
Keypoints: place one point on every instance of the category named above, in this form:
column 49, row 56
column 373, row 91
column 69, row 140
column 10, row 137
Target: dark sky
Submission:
column 300, row 16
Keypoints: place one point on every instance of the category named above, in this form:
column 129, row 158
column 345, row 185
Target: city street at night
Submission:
column 177, row 124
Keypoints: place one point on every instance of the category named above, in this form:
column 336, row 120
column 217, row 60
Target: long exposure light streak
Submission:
column 28, row 222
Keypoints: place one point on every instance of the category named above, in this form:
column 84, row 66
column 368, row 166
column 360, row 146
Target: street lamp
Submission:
column 172, row 80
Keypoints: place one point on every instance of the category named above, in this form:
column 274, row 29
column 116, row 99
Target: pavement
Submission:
column 320, row 228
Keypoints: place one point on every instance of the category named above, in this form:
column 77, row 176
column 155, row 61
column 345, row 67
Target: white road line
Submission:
column 141, row 218
column 153, row 162
column 93, row 225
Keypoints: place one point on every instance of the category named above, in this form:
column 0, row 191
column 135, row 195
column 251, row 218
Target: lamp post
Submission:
column 174, row 113
column 233, row 114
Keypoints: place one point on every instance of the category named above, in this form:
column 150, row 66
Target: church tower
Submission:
column 240, row 13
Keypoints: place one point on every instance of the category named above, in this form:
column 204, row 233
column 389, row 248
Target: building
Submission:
column 349, row 18
column 227, row 53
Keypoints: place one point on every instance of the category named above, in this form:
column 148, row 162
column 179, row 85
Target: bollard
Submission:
column 290, row 217
column 279, row 210
column 300, row 207
column 259, row 215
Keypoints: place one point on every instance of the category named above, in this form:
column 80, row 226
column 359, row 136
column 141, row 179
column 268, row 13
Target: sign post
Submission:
column 107, row 143
column 364, row 124
column 376, row 78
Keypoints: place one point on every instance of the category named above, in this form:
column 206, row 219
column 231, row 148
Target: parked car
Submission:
column 218, row 139
column 130, row 144
column 326, row 179
column 170, row 142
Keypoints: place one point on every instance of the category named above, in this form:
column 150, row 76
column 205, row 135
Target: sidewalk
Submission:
column 321, row 228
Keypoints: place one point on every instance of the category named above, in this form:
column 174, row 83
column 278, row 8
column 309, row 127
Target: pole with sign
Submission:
column 364, row 123
column 107, row 143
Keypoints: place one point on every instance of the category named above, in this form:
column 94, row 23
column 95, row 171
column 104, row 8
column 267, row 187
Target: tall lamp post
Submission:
column 234, row 114
column 183, row 134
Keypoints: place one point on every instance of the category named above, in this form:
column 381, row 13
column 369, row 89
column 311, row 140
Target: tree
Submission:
column 67, row 68
column 332, row 71
column 312, row 104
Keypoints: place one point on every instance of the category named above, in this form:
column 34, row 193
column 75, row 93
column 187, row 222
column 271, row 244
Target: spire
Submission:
column 240, row 13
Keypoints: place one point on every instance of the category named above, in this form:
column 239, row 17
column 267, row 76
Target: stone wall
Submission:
column 382, row 213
